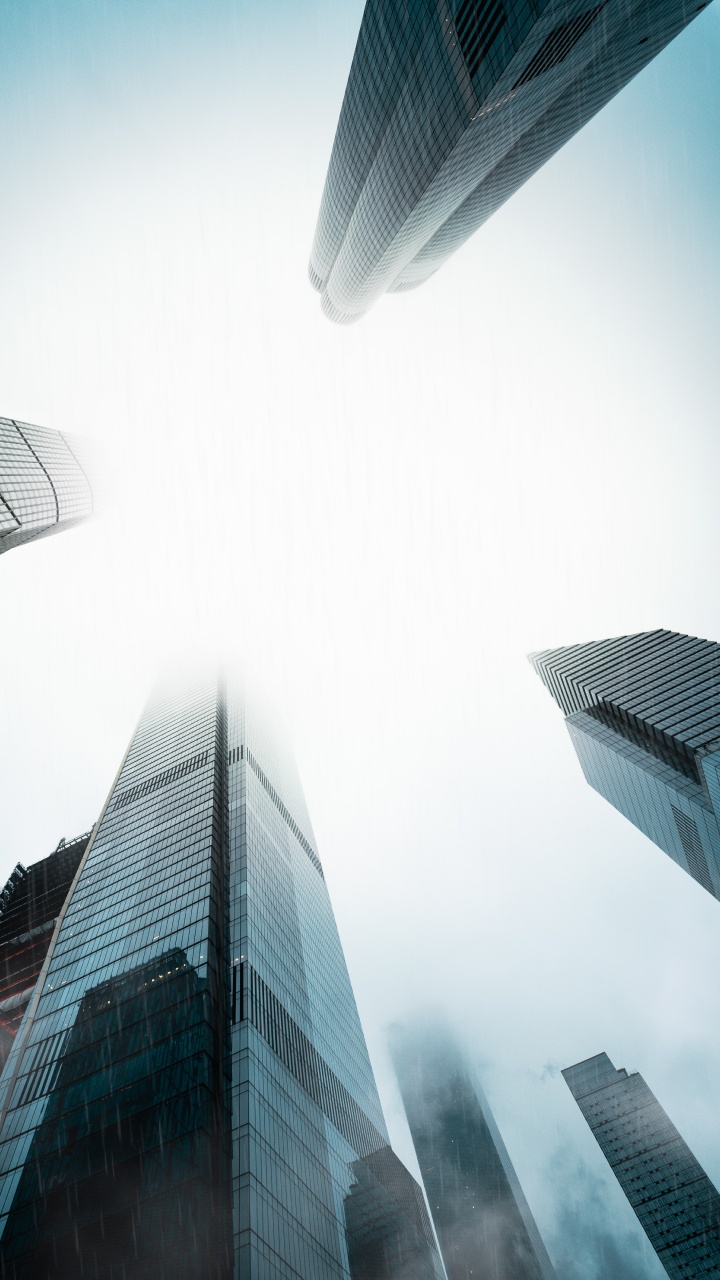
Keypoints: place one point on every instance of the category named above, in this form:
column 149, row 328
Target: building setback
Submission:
column 482, row 1219
column 643, row 713
column 450, row 106
column 191, row 1075
column 675, row 1201
column 46, row 482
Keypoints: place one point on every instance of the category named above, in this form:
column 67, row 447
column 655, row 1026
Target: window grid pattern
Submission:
column 113, row 1093
column 192, row 1141
column 442, row 121
column 45, row 482
column 308, row 1106
column 643, row 712
column 558, row 45
column 674, row 1200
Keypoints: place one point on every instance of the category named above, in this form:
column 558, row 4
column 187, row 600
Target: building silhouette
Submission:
column 643, row 712
column 675, row 1201
column 30, row 904
column 482, row 1219
column 46, row 482
column 450, row 106
column 189, row 1096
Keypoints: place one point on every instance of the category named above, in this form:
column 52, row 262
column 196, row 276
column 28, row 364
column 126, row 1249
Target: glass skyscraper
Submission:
column 189, row 1095
column 46, row 482
column 643, row 712
column 450, row 106
column 675, row 1201
column 483, row 1221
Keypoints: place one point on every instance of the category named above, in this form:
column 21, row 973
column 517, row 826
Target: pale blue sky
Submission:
column 384, row 520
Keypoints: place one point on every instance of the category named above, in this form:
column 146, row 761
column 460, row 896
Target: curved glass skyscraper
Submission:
column 189, row 1095
column 450, row 106
column 45, row 482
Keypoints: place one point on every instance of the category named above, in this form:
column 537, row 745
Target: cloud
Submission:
column 588, row 1243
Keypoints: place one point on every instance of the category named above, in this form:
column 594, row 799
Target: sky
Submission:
column 380, row 522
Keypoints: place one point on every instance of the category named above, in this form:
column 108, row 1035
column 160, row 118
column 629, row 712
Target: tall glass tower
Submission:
column 483, row 1221
column 675, row 1201
column 189, row 1096
column 450, row 106
column 45, row 482
column 643, row 712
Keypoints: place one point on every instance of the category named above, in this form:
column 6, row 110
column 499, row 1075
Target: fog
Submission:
column 381, row 521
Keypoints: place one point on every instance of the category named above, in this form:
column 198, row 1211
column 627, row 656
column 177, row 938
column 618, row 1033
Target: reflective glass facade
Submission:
column 483, row 1221
column 45, row 482
column 450, row 106
column 189, row 1094
column 675, row 1201
column 643, row 712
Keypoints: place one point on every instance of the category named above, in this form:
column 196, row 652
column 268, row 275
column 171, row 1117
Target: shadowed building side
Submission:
column 450, row 106
column 672, row 1196
column 482, row 1219
column 129, row 1137
column 30, row 904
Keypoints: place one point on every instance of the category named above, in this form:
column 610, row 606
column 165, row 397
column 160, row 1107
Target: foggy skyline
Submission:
column 522, row 454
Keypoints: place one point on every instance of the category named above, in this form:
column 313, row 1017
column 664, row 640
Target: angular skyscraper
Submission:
column 675, row 1201
column 450, row 106
column 45, row 482
column 189, row 1096
column 643, row 713
column 30, row 905
column 483, row 1221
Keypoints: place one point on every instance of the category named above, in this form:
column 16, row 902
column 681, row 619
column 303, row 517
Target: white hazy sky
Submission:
column 382, row 520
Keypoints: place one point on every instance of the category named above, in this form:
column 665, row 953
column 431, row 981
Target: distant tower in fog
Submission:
column 482, row 1219
column 643, row 712
column 450, row 106
column 673, row 1198
column 45, row 482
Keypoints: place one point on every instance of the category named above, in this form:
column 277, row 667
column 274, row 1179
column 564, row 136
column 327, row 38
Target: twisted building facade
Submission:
column 672, row 1196
column 46, row 482
column 451, row 105
column 643, row 713
column 191, row 1074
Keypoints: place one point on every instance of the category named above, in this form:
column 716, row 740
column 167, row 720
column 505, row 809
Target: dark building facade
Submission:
column 482, row 1219
column 643, row 713
column 47, row 482
column 30, row 905
column 675, row 1201
column 450, row 106
column 191, row 1076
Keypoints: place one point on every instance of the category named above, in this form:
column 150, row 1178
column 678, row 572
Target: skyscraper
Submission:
column 190, row 1094
column 643, row 712
column 675, row 1201
column 45, row 482
column 483, row 1221
column 30, row 904
column 450, row 106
